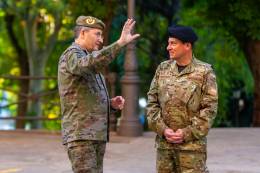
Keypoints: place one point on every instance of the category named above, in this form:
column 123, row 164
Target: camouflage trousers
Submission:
column 86, row 156
column 179, row 161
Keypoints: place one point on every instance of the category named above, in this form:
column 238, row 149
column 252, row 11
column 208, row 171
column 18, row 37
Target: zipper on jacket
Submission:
column 108, row 105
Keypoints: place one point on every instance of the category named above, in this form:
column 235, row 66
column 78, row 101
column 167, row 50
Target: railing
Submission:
column 111, row 79
column 26, row 97
column 30, row 118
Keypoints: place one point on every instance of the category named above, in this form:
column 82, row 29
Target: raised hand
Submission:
column 127, row 35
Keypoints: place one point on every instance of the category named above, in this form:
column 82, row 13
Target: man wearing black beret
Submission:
column 182, row 105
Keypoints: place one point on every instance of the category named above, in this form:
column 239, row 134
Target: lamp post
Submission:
column 129, row 124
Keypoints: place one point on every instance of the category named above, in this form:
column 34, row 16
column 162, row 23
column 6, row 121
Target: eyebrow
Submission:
column 171, row 41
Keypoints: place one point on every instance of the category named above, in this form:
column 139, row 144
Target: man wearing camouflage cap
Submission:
column 182, row 104
column 85, row 103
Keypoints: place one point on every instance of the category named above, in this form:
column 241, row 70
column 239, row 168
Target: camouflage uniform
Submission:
column 85, row 103
column 187, row 101
column 86, row 156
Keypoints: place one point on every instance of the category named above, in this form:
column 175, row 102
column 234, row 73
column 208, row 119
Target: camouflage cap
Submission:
column 90, row 21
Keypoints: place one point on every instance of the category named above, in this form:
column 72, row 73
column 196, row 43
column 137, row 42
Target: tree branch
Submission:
column 53, row 37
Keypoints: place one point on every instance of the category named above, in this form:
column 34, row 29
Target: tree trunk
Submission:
column 24, row 67
column 24, row 91
column 36, row 53
column 36, row 87
column 253, row 57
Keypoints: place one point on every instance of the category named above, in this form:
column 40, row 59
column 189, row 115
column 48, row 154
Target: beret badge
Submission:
column 90, row 21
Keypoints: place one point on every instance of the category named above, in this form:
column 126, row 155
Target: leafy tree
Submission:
column 34, row 27
column 241, row 22
column 12, row 58
column 40, row 22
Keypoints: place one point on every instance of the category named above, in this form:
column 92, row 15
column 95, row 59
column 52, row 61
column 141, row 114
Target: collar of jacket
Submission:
column 189, row 69
column 78, row 46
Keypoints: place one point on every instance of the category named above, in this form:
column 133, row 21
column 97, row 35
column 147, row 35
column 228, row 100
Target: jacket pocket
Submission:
column 184, row 93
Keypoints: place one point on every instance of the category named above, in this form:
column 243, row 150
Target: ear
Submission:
column 82, row 32
column 188, row 45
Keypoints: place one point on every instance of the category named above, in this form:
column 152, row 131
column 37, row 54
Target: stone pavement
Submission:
column 231, row 150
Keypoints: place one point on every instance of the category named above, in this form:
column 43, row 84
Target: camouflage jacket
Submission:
column 85, row 103
column 185, row 100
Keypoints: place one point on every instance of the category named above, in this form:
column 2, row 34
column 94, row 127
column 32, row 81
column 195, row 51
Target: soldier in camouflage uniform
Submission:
column 85, row 103
column 182, row 104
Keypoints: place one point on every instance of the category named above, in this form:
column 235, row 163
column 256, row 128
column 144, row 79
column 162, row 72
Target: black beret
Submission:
column 183, row 33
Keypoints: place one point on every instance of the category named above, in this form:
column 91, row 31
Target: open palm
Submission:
column 126, row 34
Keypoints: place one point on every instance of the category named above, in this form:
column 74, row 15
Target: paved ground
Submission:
column 230, row 151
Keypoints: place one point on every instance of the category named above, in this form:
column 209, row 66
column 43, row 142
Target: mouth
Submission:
column 99, row 44
column 171, row 53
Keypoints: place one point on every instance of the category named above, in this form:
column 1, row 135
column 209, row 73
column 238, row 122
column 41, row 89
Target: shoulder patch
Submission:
column 205, row 65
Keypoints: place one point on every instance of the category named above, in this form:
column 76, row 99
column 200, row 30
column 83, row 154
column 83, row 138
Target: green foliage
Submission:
column 221, row 49
column 8, row 65
column 239, row 18
column 7, row 53
column 42, row 17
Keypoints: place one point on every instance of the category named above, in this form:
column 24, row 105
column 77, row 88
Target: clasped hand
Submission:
column 176, row 137
column 118, row 102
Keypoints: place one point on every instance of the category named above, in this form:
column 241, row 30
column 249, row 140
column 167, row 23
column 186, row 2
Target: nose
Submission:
column 101, row 39
column 168, row 47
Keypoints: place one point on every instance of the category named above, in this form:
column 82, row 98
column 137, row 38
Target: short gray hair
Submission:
column 77, row 30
